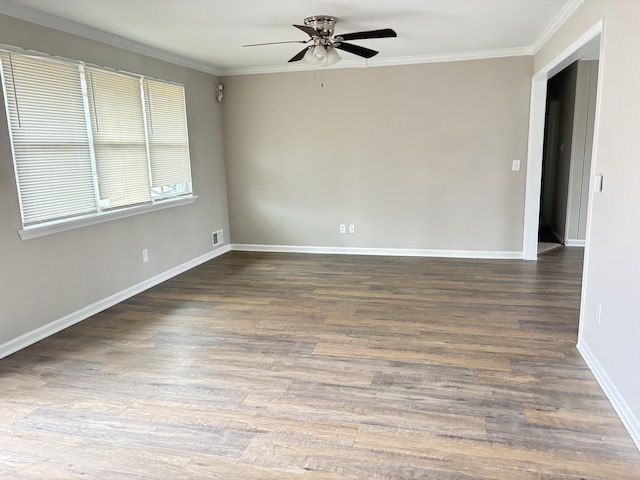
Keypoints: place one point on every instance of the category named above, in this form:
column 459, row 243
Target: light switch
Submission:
column 515, row 166
column 597, row 183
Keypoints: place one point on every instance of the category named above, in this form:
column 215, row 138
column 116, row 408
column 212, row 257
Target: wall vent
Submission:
column 217, row 237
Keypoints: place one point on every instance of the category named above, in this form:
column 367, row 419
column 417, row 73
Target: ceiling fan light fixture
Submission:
column 322, row 52
column 321, row 56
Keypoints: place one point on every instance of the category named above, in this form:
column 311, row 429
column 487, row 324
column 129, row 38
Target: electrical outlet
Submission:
column 145, row 255
column 343, row 228
column 598, row 312
column 352, row 228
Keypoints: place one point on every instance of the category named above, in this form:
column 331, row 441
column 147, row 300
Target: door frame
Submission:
column 536, row 135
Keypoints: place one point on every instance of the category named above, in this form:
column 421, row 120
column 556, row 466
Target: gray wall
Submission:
column 47, row 278
column 612, row 259
column 415, row 156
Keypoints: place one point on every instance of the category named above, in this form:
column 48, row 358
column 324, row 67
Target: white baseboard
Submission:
column 49, row 329
column 574, row 242
column 629, row 419
column 397, row 252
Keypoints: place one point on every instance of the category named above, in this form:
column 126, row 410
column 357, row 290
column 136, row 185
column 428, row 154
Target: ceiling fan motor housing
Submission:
column 323, row 24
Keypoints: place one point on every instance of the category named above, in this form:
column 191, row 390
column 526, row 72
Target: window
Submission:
column 88, row 141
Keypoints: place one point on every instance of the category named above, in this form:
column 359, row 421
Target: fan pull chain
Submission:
column 316, row 75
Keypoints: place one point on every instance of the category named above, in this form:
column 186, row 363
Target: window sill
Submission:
column 41, row 231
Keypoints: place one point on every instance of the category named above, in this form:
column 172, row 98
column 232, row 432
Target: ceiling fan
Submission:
column 322, row 51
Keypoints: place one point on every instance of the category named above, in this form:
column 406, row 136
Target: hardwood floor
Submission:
column 287, row 366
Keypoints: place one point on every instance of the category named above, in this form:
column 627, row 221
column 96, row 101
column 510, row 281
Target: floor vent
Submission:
column 217, row 238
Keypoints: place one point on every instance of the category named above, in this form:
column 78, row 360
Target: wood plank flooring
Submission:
column 292, row 366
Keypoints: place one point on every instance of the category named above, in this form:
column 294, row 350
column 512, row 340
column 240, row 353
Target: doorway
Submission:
column 585, row 47
column 567, row 152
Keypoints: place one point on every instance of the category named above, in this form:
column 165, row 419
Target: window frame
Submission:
column 48, row 227
column 95, row 219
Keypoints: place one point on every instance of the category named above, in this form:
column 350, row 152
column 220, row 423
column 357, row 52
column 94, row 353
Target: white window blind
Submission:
column 51, row 148
column 119, row 140
column 168, row 139
column 89, row 141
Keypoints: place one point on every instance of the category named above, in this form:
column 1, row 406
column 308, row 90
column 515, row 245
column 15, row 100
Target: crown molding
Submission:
column 563, row 15
column 52, row 21
column 384, row 62
column 453, row 57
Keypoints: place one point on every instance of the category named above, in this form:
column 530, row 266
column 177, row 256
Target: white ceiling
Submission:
column 209, row 34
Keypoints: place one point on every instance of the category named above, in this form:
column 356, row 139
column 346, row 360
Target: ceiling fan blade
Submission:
column 357, row 50
column 275, row 43
column 298, row 56
column 308, row 30
column 384, row 33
